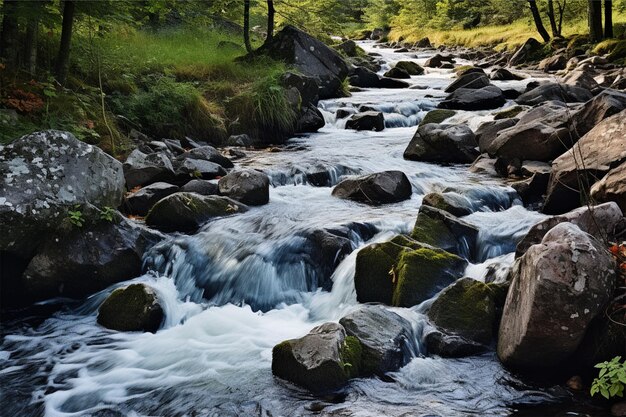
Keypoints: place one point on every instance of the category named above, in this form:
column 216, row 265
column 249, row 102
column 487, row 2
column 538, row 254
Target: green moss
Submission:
column 508, row 113
column 422, row 273
column 463, row 68
column 618, row 55
column 132, row 308
column 373, row 277
column 437, row 116
column 351, row 354
column 578, row 42
column 410, row 67
column 431, row 230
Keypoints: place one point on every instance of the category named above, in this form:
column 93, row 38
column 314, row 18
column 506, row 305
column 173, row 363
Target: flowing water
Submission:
column 247, row 282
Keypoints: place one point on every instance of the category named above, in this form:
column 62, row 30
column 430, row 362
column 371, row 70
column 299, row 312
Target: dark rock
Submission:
column 472, row 80
column 584, row 80
column 438, row 61
column 488, row 131
column 486, row 98
column 453, row 203
column 350, row 48
column 532, row 190
column 396, row 72
column 612, row 187
column 369, row 120
column 553, row 63
column 484, row 165
column 556, row 92
column 437, row 116
column 311, row 120
column 202, row 187
column 239, row 140
column 42, row 175
column 247, row 186
column 186, row 212
column 410, row 67
column 526, row 52
column 190, row 169
column 544, row 320
column 381, row 188
column 143, row 169
column 442, row 143
column 502, row 74
column 308, row 87
column 344, row 112
column 140, row 202
column 602, row 106
column 207, row 153
column 451, row 346
column 366, row 78
column 511, row 94
column 464, row 70
column 423, row 43
column 385, row 338
column 131, row 309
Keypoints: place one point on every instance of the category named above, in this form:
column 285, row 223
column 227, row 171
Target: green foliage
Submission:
column 76, row 217
column 611, row 379
column 108, row 214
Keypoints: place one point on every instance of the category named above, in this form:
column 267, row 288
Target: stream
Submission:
column 242, row 284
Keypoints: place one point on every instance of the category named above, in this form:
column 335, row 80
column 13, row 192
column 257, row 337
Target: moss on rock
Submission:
column 437, row 116
column 373, row 277
column 133, row 308
column 351, row 356
column 509, row 113
column 411, row 67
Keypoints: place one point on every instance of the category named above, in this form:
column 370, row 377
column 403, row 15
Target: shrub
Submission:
column 611, row 380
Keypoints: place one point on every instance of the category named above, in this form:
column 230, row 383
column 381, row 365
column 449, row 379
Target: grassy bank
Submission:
column 174, row 83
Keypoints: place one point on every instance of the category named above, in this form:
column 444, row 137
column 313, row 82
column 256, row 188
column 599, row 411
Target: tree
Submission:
column 608, row 18
column 556, row 21
column 270, row 21
column 595, row 20
column 63, row 57
column 246, row 25
column 538, row 22
column 8, row 36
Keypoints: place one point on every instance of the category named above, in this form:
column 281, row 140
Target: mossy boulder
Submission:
column 468, row 308
column 453, row 203
column 443, row 230
column 422, row 273
column 186, row 212
column 437, row 116
column 131, row 309
column 322, row 361
column 411, row 67
column 509, row 113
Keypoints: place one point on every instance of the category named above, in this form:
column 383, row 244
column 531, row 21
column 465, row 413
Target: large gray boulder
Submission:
column 186, row 212
column 140, row 202
column 612, row 187
column 247, row 186
column 134, row 308
column 385, row 338
column 472, row 80
column 42, row 176
column 486, row 98
column 442, row 143
column 558, row 287
column 190, row 168
column 587, row 162
column 555, row 91
column 488, row 131
column 602, row 106
column 322, row 361
column 310, row 57
column 207, row 153
column 380, row 188
column 146, row 168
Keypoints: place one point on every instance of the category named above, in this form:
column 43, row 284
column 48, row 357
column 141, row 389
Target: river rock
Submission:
column 451, row 345
column 555, row 91
column 308, row 87
column 381, row 188
column 443, row 230
column 247, row 186
column 78, row 261
column 207, row 153
column 588, row 161
column 438, row 61
column 191, row 168
column 42, row 175
column 369, row 120
column 486, row 98
column 584, row 80
column 442, row 143
column 134, row 308
column 469, row 309
column 143, row 169
column 553, row 63
column 397, row 73
column 452, row 203
column 602, row 106
column 366, row 78
column 601, row 221
column 310, row 57
column 503, row 74
column 140, row 202
column 239, row 140
column 612, row 187
column 311, row 120
column 202, row 187
column 544, row 320
column 472, row 80
column 322, row 361
column 437, row 116
column 525, row 52
column 484, row 165
column 410, row 67
column 385, row 338
column 186, row 212
column 488, row 131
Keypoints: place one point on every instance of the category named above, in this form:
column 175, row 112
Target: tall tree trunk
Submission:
column 30, row 47
column 246, row 25
column 270, row 21
column 595, row 20
column 608, row 18
column 562, row 6
column 552, row 17
column 9, row 33
column 63, row 58
column 537, row 18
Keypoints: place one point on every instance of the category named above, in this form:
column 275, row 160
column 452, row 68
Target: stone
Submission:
column 584, row 80
column 247, row 186
column 450, row 345
column 612, row 187
column 134, row 308
column 322, row 361
column 186, row 212
column 488, row 131
column 588, row 161
column 472, row 80
column 503, row 74
column 484, row 165
column 437, row 116
column 143, row 169
column 553, row 63
column 190, row 169
column 385, row 338
column 366, row 78
column 556, row 92
column 532, row 190
column 438, row 61
column 202, row 187
column 509, row 113
column 410, row 67
column 604, row 105
column 311, row 120
column 486, row 98
column 398, row 73
column 308, row 87
column 453, row 203
column 544, row 320
column 44, row 174
column 207, row 153
column 441, row 229
column 140, row 202
column 369, row 120
column 239, row 140
column 349, row 48
column 442, row 143
column 525, row 52
column 380, row 188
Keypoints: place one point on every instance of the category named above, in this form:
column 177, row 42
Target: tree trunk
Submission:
column 246, row 25
column 608, row 18
column 537, row 18
column 63, row 58
column 30, row 50
column 8, row 36
column 270, row 21
column 562, row 6
column 595, row 20
column 553, row 25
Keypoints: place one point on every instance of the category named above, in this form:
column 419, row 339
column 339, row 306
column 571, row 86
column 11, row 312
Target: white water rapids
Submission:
column 247, row 282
